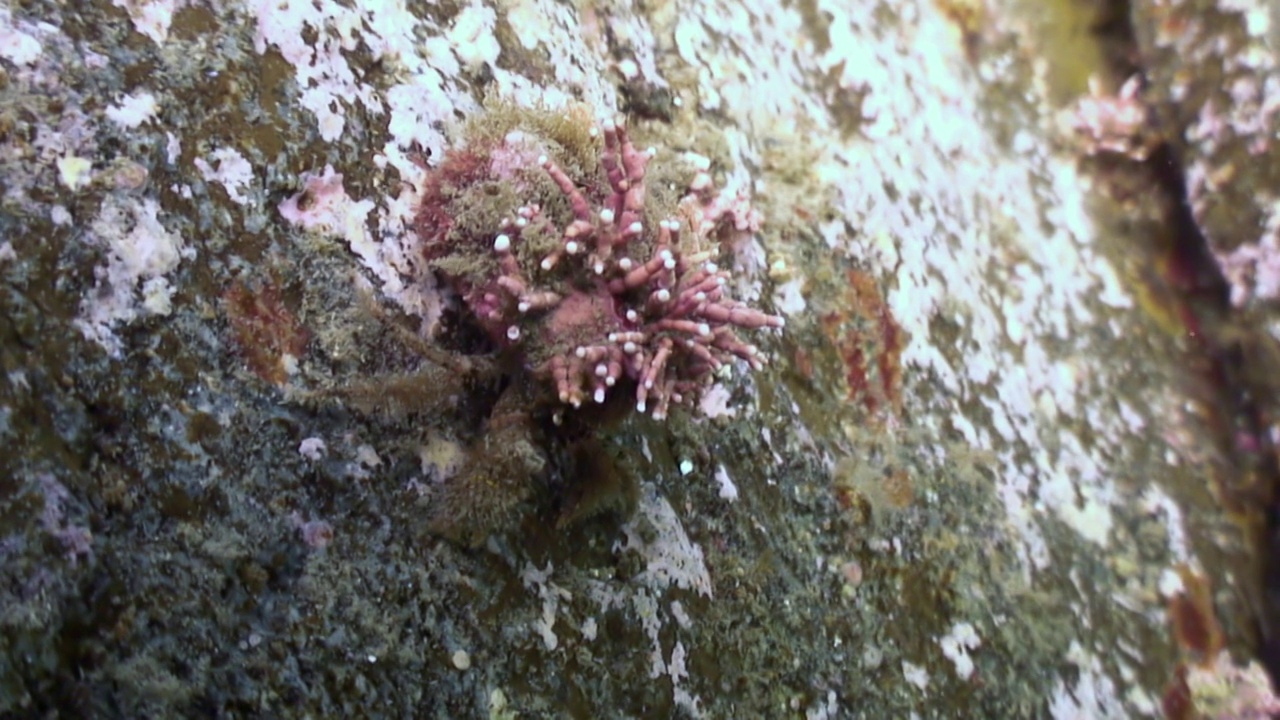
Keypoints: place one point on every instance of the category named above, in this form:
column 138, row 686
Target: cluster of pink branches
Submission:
column 662, row 322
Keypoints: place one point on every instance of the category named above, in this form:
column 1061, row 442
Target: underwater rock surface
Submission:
column 1011, row 457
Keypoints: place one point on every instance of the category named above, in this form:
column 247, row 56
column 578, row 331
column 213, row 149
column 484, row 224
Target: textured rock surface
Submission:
column 1003, row 463
column 1213, row 72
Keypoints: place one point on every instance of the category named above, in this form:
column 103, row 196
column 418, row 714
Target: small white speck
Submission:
column 313, row 448
column 132, row 110
column 915, row 675
column 1170, row 584
column 74, row 172
column 728, row 491
column 628, row 69
column 367, row 456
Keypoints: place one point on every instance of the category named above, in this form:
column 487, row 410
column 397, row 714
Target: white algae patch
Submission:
column 140, row 254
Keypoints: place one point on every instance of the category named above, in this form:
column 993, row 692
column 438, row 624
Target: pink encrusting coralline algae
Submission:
column 596, row 289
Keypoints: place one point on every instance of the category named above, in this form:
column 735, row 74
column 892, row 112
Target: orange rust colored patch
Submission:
column 846, row 497
column 1177, row 702
column 898, row 489
column 968, row 15
column 265, row 331
column 870, row 343
column 1195, row 626
column 802, row 361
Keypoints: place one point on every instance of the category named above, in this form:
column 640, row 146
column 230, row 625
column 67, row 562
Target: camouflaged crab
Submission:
column 593, row 296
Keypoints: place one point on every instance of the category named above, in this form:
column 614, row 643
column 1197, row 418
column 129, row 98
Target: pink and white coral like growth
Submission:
column 618, row 304
column 1118, row 124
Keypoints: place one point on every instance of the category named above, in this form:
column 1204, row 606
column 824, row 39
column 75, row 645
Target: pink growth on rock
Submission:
column 321, row 204
column 1117, row 124
column 76, row 540
column 316, row 534
column 597, row 292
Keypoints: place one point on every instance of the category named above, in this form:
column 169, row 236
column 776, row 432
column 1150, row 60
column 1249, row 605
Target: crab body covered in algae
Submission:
column 589, row 289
